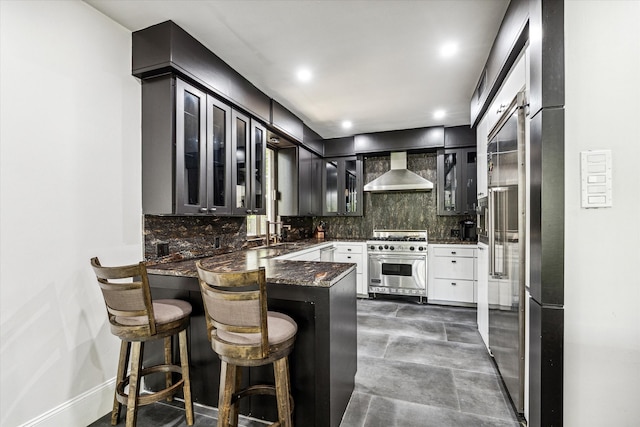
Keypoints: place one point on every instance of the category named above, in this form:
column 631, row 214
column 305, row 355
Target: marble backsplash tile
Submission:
column 397, row 210
column 190, row 236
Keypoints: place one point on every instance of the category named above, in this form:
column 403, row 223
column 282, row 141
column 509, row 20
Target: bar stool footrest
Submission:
column 155, row 396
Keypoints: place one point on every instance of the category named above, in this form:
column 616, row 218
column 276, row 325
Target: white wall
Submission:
column 602, row 246
column 70, row 189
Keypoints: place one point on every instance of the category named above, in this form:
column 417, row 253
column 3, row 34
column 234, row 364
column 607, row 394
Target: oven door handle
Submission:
column 411, row 257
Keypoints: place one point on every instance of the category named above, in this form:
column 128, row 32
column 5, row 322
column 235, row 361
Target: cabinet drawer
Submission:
column 452, row 290
column 454, row 251
column 452, row 267
column 352, row 258
column 347, row 248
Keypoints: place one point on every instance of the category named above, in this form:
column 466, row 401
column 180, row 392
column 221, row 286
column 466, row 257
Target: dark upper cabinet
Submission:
column 313, row 141
column 299, row 182
column 166, row 47
column 185, row 156
column 457, row 181
column 342, row 186
column 399, row 140
column 335, row 147
column 248, row 152
column 509, row 42
column 459, row 137
column 310, row 183
column 285, row 121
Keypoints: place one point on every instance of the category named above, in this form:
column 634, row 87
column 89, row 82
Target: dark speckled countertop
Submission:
column 301, row 273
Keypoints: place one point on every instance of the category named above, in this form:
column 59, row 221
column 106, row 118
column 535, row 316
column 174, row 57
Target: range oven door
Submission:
column 398, row 274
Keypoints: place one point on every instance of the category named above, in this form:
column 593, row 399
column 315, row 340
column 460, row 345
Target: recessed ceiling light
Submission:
column 346, row 124
column 304, row 75
column 449, row 49
column 439, row 114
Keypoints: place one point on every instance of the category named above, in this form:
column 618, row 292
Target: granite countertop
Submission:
column 301, row 273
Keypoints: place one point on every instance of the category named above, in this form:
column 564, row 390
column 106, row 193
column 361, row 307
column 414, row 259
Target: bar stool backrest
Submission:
column 128, row 299
column 236, row 302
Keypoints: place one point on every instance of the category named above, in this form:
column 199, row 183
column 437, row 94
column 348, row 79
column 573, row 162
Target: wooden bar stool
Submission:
column 243, row 333
column 136, row 319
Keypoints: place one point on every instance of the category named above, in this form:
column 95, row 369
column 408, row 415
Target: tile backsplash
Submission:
column 397, row 210
column 192, row 236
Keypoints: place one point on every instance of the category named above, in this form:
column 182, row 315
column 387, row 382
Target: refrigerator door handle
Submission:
column 490, row 229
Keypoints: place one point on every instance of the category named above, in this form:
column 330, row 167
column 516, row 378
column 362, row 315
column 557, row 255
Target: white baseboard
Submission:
column 82, row 410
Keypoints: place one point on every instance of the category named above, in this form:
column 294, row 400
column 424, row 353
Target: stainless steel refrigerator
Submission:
column 506, row 227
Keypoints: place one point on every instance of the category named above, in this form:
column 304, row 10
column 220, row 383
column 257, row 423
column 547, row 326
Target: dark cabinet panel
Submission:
column 339, row 147
column 166, row 47
column 185, row 158
column 299, row 182
column 547, row 55
column 511, row 39
column 342, row 186
column 457, row 181
column 399, row 140
column 310, row 183
column 313, row 141
column 459, row 137
column 285, row 121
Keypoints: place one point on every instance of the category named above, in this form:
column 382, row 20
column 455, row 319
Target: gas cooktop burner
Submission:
column 399, row 235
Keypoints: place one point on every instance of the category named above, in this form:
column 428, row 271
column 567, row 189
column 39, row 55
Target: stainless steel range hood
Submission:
column 399, row 178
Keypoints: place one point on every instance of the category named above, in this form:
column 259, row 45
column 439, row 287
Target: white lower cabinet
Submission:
column 351, row 252
column 356, row 253
column 483, row 291
column 452, row 274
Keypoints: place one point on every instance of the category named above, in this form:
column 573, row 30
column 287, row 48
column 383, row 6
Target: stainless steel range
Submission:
column 398, row 262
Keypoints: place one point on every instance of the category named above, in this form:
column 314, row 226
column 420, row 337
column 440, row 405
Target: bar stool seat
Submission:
column 136, row 319
column 245, row 334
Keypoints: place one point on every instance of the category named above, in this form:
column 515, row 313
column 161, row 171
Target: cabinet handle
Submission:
column 453, row 252
column 454, row 284
column 203, row 210
column 349, row 250
column 349, row 257
column 212, row 209
column 453, row 261
column 248, row 211
column 255, row 211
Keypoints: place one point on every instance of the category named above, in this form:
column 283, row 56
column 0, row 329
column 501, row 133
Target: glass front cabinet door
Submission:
column 343, row 186
column 191, row 149
column 248, row 154
column 203, row 133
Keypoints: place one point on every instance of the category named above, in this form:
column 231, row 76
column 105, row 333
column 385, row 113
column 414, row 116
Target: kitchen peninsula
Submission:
column 319, row 296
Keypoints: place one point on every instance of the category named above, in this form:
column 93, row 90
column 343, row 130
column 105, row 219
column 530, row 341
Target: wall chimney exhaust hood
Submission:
column 399, row 178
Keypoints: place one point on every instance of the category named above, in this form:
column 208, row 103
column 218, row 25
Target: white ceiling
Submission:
column 375, row 63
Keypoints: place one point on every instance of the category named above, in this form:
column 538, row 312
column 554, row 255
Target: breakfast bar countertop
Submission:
column 301, row 273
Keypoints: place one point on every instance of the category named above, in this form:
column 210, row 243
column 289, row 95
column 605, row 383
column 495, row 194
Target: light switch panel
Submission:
column 596, row 186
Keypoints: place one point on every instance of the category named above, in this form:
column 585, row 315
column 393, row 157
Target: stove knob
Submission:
column 380, row 247
column 420, row 248
column 391, row 247
column 372, row 247
column 412, row 248
column 386, row 246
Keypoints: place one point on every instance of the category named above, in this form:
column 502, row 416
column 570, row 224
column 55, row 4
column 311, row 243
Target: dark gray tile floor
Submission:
column 418, row 366
column 422, row 366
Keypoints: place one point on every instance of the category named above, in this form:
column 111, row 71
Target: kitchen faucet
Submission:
column 269, row 224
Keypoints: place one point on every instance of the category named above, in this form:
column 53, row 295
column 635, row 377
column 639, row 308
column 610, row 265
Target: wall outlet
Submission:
column 162, row 249
column 455, row 232
column 216, row 242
